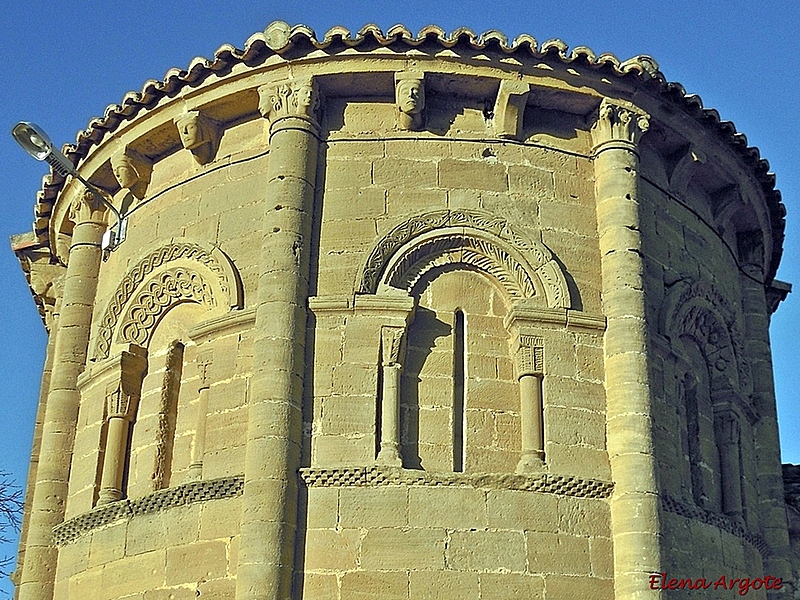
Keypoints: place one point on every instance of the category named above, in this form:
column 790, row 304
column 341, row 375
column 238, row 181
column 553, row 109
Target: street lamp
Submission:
column 37, row 143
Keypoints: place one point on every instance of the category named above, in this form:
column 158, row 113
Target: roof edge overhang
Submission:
column 292, row 42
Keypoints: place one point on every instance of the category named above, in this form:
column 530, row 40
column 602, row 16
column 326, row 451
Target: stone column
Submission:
column 63, row 401
column 727, row 433
column 772, row 511
column 392, row 350
column 122, row 398
column 274, row 430
column 199, row 443
column 635, row 519
column 530, row 373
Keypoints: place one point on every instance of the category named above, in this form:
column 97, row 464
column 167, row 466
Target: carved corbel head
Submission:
column 199, row 134
column 409, row 93
column 132, row 171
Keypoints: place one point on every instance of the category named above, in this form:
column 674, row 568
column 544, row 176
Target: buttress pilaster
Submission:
column 63, row 400
column 635, row 505
column 274, row 434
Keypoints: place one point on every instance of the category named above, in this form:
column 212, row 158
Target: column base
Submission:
column 389, row 455
column 109, row 495
column 530, row 462
column 195, row 472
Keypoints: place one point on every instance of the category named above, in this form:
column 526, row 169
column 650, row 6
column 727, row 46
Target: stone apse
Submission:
column 406, row 316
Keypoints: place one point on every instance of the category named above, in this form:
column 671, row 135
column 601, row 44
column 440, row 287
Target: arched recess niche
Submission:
column 458, row 398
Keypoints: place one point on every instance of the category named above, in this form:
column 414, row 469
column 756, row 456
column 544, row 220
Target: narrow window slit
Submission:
column 459, row 391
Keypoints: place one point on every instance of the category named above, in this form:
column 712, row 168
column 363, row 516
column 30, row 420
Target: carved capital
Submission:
column 529, row 357
column 750, row 246
column 204, row 360
column 392, row 345
column 409, row 93
column 199, row 134
column 132, row 171
column 289, row 98
column 727, row 428
column 88, row 208
column 619, row 123
column 509, row 108
column 123, row 394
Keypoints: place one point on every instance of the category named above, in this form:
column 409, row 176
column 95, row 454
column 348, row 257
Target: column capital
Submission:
column 618, row 125
column 727, row 428
column 298, row 98
column 392, row 339
column 87, row 208
column 123, row 393
column 529, row 356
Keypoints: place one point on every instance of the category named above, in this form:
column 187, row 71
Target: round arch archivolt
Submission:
column 524, row 268
column 699, row 311
column 180, row 271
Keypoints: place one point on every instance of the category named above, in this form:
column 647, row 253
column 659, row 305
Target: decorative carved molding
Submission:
column 380, row 475
column 199, row 134
column 619, row 122
column 457, row 248
column 482, row 240
column 698, row 310
column 158, row 295
column 167, row 414
column 211, row 258
column 132, row 171
column 179, row 495
column 409, row 93
column 289, row 98
column 509, row 108
column 719, row 521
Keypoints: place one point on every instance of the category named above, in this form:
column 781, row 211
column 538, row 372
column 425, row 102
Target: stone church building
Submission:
column 397, row 316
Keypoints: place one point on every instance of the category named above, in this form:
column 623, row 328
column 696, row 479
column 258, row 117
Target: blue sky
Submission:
column 64, row 62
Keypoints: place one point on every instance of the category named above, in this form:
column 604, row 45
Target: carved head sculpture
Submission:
column 132, row 171
column 289, row 98
column 410, row 95
column 198, row 135
column 409, row 99
column 306, row 98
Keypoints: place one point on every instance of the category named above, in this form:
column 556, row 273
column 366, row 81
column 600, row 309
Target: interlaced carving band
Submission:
column 169, row 288
column 377, row 476
column 180, row 495
column 134, row 278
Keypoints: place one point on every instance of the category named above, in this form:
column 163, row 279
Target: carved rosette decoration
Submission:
column 412, row 249
column 409, row 92
column 132, row 171
column 619, row 123
column 289, row 98
column 207, row 276
column 199, row 134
